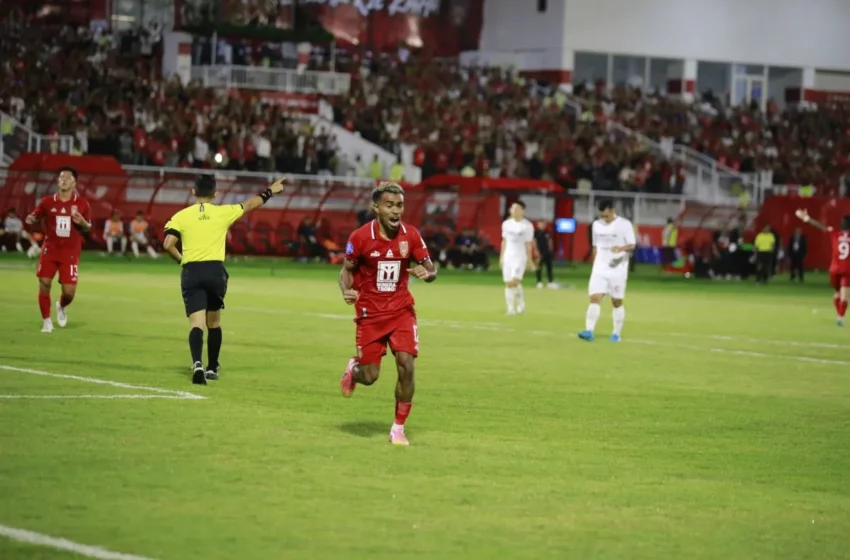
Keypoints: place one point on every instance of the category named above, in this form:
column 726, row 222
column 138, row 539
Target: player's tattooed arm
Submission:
column 804, row 216
column 346, row 282
column 170, row 246
column 425, row 270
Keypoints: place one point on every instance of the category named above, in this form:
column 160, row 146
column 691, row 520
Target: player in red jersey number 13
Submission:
column 65, row 216
column 839, row 268
column 379, row 258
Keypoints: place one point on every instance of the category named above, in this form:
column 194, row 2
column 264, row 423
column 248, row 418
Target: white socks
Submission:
column 135, row 247
column 619, row 316
column 593, row 311
column 510, row 297
column 515, row 299
column 109, row 242
column 151, row 252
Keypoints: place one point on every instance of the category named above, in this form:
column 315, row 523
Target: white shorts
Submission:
column 615, row 286
column 513, row 269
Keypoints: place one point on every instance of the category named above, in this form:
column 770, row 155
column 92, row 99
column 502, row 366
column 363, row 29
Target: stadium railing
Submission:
column 272, row 79
column 17, row 139
column 644, row 209
column 707, row 180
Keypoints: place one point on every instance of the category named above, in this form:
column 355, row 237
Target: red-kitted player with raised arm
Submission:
column 839, row 268
column 379, row 259
column 66, row 216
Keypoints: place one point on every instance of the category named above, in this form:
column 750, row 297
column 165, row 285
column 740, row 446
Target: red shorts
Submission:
column 399, row 330
column 65, row 265
column 839, row 280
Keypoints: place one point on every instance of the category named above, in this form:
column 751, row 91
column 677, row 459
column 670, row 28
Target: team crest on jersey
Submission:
column 402, row 246
column 73, row 209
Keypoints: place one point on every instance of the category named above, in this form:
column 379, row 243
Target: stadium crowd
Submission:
column 434, row 114
column 113, row 101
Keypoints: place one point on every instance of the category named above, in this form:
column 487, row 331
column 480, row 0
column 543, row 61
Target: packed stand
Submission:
column 112, row 100
column 448, row 119
column 799, row 145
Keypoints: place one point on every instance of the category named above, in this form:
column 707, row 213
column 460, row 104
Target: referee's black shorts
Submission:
column 204, row 286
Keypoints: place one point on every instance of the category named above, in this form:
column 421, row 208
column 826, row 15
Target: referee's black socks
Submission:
column 196, row 344
column 213, row 347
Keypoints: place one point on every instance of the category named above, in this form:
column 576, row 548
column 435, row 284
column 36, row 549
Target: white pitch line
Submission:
column 174, row 393
column 805, row 359
column 62, row 397
column 31, row 537
column 731, row 338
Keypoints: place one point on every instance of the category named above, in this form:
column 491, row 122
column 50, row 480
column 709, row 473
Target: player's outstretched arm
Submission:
column 255, row 202
column 804, row 216
column 346, row 282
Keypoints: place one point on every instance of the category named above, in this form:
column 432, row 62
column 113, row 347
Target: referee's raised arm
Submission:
column 255, row 202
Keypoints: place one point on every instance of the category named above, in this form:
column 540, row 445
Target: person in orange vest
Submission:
column 114, row 231
column 139, row 236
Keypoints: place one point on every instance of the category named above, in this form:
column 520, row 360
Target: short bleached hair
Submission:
column 388, row 187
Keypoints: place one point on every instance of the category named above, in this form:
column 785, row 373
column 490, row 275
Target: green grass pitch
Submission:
column 719, row 428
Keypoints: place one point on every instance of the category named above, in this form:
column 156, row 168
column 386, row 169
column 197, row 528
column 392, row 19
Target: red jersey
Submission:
column 381, row 275
column 61, row 235
column 840, row 251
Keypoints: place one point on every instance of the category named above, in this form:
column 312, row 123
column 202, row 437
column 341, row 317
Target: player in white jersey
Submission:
column 515, row 257
column 613, row 242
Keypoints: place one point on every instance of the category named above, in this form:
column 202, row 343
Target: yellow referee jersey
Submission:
column 202, row 228
column 765, row 242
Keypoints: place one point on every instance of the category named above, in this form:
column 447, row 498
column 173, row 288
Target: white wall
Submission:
column 775, row 32
column 832, row 81
column 516, row 26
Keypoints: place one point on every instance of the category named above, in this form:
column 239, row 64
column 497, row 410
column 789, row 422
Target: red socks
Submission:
column 65, row 301
column 402, row 410
column 840, row 306
column 44, row 304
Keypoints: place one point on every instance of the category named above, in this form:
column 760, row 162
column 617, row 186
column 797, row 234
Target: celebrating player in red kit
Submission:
column 380, row 256
column 66, row 216
column 839, row 268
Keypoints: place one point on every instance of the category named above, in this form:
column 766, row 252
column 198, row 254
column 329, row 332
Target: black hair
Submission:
column 521, row 203
column 70, row 170
column 845, row 223
column 386, row 187
column 205, row 186
column 606, row 204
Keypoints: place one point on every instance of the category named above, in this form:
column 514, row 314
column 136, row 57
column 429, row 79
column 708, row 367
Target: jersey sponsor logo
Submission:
column 389, row 273
column 63, row 226
column 402, row 247
column 349, row 248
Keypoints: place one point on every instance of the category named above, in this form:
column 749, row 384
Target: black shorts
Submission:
column 204, row 286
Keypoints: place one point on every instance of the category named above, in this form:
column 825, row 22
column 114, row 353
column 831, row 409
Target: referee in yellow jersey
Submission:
column 202, row 230
column 765, row 243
